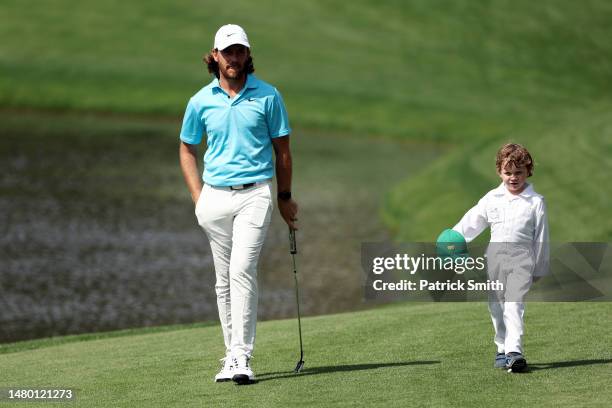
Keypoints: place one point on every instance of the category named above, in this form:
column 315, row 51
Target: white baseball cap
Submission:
column 230, row 34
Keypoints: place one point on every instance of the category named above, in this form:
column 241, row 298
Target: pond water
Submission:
column 98, row 230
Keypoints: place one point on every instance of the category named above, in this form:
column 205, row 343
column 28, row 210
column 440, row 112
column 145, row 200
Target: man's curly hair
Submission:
column 213, row 66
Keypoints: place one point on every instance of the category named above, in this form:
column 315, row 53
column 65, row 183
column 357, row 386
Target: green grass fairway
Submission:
column 401, row 355
column 364, row 81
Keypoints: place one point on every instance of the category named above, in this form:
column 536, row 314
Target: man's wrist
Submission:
column 284, row 195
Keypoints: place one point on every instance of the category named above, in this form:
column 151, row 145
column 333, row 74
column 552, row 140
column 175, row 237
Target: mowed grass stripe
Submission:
column 404, row 354
column 417, row 69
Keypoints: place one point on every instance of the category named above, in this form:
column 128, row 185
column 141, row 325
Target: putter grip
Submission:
column 292, row 244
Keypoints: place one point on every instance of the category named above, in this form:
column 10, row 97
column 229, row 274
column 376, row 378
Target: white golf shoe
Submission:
column 242, row 370
column 227, row 369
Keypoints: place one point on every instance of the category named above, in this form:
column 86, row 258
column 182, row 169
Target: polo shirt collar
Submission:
column 251, row 83
column 528, row 191
column 501, row 190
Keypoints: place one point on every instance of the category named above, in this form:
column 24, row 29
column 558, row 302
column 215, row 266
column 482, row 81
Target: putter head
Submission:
column 299, row 366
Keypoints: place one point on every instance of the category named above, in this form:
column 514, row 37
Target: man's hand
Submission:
column 288, row 210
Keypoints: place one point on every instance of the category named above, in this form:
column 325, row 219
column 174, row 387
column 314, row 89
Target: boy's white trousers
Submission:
column 236, row 222
column 511, row 264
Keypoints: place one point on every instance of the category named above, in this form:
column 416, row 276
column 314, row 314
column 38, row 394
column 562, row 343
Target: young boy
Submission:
column 518, row 253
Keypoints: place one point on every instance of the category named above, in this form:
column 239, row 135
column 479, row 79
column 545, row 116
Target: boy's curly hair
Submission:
column 514, row 154
column 213, row 66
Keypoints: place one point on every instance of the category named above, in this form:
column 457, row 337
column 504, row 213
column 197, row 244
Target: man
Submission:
column 244, row 119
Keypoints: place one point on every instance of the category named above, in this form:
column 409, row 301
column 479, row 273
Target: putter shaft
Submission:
column 293, row 250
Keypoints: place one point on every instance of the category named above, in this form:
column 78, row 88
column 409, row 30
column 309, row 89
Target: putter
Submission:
column 293, row 250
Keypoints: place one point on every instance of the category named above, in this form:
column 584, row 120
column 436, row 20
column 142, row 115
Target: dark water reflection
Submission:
column 78, row 265
column 98, row 233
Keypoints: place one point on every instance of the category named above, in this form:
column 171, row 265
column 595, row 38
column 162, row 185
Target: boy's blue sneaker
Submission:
column 516, row 363
column 500, row 360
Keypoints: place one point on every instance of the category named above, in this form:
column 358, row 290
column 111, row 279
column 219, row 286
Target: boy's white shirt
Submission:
column 513, row 218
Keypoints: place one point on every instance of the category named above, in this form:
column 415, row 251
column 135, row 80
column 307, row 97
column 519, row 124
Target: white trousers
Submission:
column 236, row 222
column 512, row 266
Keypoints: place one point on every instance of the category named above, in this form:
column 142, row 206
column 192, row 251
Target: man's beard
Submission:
column 238, row 72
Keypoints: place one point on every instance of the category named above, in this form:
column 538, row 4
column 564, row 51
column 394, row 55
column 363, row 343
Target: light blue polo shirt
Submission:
column 239, row 131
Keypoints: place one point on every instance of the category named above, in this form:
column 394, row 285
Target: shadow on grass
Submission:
column 564, row 364
column 338, row 368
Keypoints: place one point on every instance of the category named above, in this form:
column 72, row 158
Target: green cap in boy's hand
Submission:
column 451, row 243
